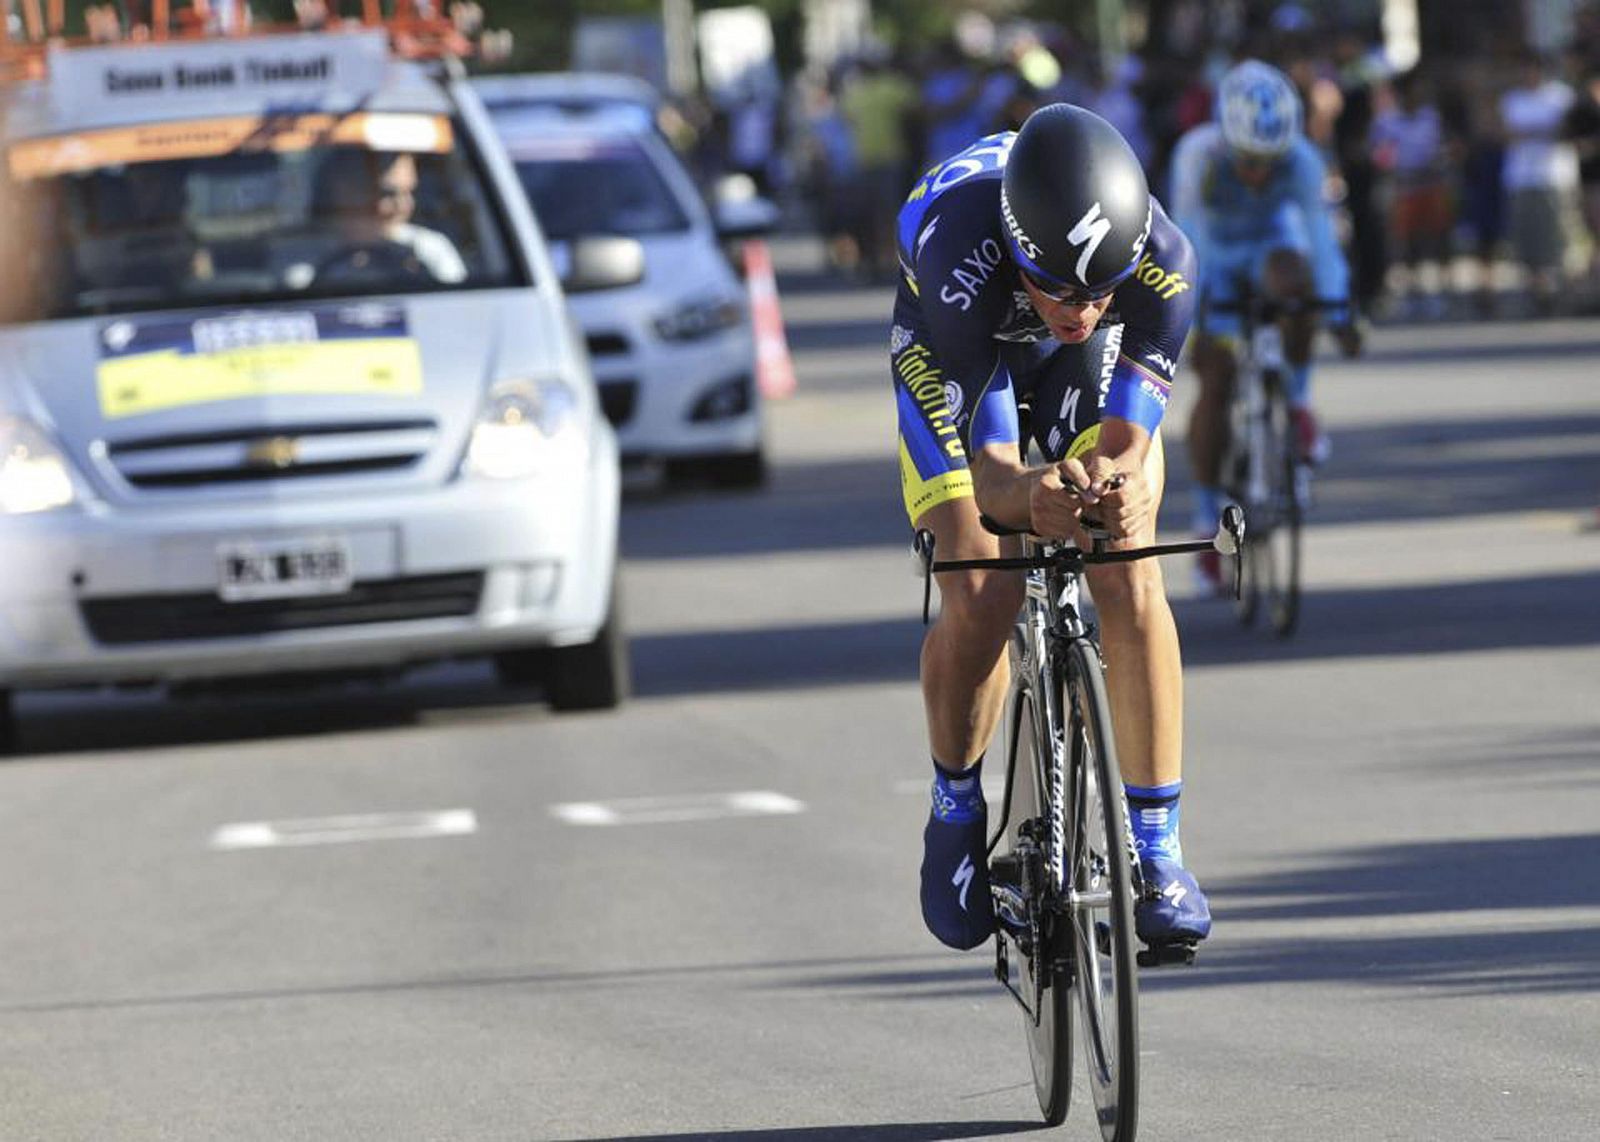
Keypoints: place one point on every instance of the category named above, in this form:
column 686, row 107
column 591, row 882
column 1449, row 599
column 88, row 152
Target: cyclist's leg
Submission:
column 1216, row 364
column 964, row 667
column 1286, row 275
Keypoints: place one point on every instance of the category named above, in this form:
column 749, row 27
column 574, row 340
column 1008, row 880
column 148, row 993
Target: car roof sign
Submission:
column 122, row 83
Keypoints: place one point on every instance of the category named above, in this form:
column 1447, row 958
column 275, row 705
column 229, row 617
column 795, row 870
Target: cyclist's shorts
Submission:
column 1230, row 265
column 1061, row 399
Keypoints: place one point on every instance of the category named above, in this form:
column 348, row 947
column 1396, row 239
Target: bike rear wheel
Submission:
column 1100, row 873
column 1042, row 977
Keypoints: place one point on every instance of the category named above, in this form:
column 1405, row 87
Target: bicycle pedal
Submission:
column 1167, row 955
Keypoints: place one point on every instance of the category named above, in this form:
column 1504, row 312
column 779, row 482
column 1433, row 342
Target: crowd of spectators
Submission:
column 1464, row 190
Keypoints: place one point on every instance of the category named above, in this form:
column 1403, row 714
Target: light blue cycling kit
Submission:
column 1234, row 226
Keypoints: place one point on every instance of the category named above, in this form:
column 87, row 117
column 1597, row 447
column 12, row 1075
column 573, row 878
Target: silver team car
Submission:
column 287, row 379
column 666, row 318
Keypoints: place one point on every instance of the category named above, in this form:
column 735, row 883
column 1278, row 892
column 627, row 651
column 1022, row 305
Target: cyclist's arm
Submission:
column 1328, row 267
column 1190, row 164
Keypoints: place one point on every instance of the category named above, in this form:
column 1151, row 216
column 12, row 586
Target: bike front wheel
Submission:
column 1100, row 899
column 1279, row 552
column 1039, row 953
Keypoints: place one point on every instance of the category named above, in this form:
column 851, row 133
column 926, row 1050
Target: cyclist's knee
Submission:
column 1214, row 364
column 1287, row 273
column 1130, row 591
column 984, row 602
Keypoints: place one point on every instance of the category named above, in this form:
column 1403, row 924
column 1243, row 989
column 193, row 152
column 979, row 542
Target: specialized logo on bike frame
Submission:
column 971, row 275
column 925, row 382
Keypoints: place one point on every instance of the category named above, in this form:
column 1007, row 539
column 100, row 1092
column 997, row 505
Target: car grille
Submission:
column 617, row 399
column 608, row 345
column 270, row 454
column 121, row 620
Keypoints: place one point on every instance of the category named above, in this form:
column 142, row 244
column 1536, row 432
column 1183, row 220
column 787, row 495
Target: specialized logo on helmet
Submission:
column 1091, row 230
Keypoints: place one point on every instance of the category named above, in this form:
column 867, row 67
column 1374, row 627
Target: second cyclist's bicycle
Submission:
column 1062, row 868
column 1264, row 470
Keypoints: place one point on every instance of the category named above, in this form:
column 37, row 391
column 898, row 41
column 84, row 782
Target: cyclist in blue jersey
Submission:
column 1248, row 191
column 1044, row 294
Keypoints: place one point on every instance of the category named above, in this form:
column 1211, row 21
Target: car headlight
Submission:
column 527, row 427
column 33, row 473
column 696, row 319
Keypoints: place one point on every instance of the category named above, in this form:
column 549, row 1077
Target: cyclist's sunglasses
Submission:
column 1067, row 295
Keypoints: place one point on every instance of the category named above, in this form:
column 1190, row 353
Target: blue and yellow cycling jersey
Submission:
column 967, row 346
column 1234, row 225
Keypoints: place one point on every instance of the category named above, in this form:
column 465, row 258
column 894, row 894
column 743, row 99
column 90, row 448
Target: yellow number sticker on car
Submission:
column 148, row 382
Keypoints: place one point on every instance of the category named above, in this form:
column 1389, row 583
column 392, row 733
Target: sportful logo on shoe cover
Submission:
column 963, row 878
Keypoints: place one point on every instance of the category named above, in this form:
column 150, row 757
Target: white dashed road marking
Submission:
column 660, row 810
column 345, row 830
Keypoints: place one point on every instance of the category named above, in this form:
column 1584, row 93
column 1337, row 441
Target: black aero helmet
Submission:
column 1074, row 202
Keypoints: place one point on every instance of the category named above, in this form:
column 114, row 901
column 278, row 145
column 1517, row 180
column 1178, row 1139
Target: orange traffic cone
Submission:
column 774, row 365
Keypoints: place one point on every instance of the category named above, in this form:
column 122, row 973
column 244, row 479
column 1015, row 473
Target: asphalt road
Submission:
column 437, row 911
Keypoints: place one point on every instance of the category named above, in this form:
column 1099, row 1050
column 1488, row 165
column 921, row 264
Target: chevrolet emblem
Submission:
column 273, row 452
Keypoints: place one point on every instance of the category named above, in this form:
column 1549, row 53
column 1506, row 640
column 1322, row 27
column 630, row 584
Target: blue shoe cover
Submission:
column 1173, row 908
column 956, row 905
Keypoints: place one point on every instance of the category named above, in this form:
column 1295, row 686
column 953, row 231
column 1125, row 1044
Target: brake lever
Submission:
column 922, row 550
column 1229, row 540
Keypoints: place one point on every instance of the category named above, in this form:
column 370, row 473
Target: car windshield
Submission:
column 178, row 215
column 586, row 189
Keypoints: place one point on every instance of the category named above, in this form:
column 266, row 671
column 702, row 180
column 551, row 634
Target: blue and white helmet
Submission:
column 1258, row 109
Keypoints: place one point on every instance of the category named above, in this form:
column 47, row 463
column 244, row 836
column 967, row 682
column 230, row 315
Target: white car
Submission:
column 287, row 379
column 665, row 313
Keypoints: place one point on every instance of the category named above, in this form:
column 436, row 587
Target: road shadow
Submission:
column 1549, row 611
column 1452, row 878
column 810, row 506
column 777, row 658
column 876, row 1132
column 105, row 720
column 1435, row 469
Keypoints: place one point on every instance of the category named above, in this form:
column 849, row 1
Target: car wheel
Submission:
column 595, row 675
column 8, row 723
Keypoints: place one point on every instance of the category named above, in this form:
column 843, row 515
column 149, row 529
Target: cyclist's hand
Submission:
column 1349, row 337
column 1053, row 507
column 1119, row 500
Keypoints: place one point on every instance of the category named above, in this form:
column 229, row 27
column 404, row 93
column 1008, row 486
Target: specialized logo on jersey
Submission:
column 926, row 384
column 1167, row 283
column 971, row 275
column 927, row 232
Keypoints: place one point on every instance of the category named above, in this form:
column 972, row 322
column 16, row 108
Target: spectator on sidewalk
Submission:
column 1582, row 130
column 1541, row 178
column 877, row 104
column 1409, row 144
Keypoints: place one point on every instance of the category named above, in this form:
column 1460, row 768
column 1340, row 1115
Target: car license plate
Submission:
column 283, row 569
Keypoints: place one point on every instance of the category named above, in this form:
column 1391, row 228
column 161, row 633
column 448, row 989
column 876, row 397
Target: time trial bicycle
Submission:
column 1264, row 470
column 1062, row 866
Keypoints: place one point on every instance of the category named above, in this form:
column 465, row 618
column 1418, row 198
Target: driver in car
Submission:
column 374, row 198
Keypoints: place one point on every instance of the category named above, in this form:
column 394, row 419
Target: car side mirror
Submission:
column 603, row 263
